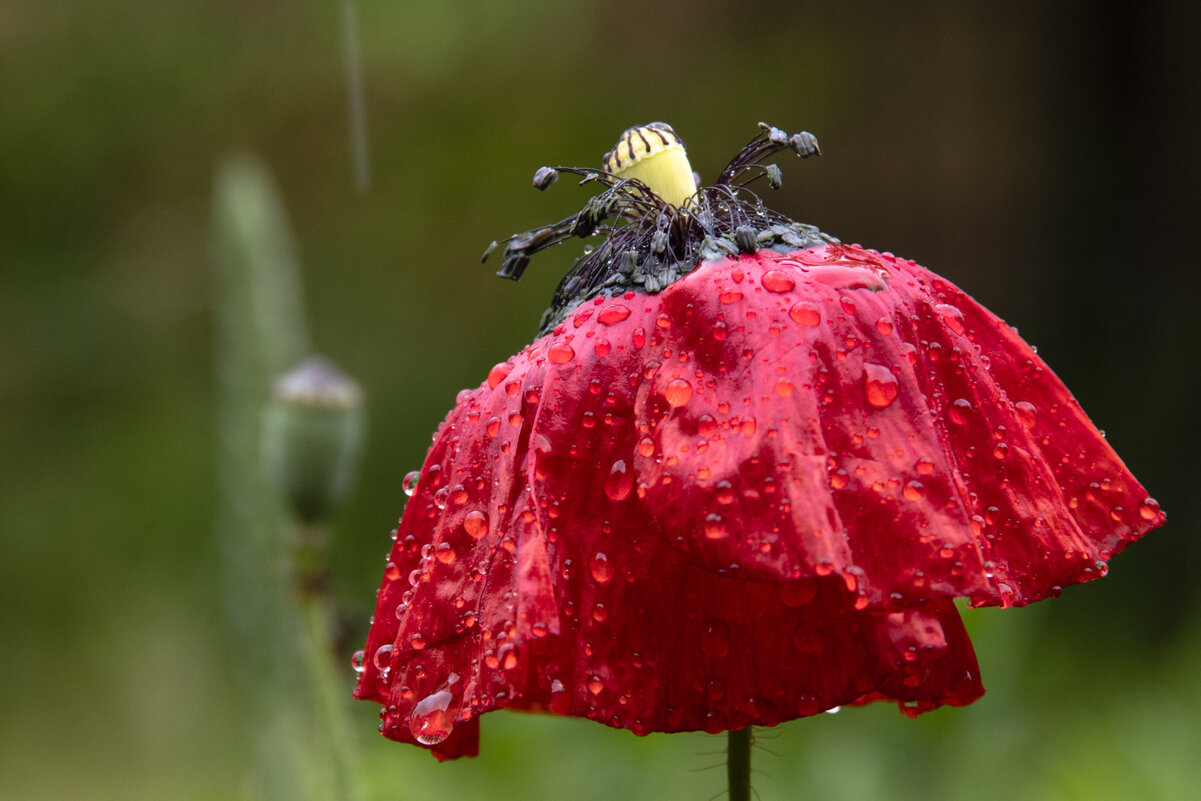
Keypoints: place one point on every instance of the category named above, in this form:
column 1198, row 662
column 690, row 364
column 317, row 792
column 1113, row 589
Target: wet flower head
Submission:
column 738, row 479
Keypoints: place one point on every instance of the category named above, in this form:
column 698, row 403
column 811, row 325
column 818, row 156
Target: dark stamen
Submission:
column 646, row 243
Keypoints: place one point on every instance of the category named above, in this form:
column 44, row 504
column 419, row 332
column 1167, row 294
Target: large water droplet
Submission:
column 498, row 373
column 620, row 481
column 601, row 568
column 678, row 392
column 715, row 527
column 433, row 718
column 613, row 314
column 560, row 353
column 476, row 524
column 730, row 296
column 880, row 385
column 1027, row 413
column 805, row 314
column 778, row 281
column 409, row 483
column 1149, row 509
column 359, row 661
column 840, row 478
column 382, row 658
column 951, row 316
column 960, row 410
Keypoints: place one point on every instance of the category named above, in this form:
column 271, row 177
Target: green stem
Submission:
column 331, row 694
column 738, row 764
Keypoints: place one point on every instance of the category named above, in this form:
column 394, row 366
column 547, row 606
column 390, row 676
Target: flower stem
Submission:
column 312, row 591
column 738, row 764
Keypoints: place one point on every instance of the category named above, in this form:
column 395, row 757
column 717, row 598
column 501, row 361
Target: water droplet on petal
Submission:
column 805, row 314
column 382, row 659
column 560, row 353
column 715, row 526
column 730, row 296
column 433, row 719
column 880, row 385
column 359, row 661
column 476, row 524
column 678, row 392
column 784, row 388
column 612, row 314
column 601, row 568
column 884, row 326
column 1149, row 509
column 959, row 411
column 951, row 316
column 914, row 491
column 498, row 373
column 560, row 701
column 840, row 478
column 595, row 684
column 1027, row 413
column 778, row 281
column 409, row 484
column 619, row 482
column 724, row 492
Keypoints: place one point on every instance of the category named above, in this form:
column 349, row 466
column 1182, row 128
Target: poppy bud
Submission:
column 313, row 436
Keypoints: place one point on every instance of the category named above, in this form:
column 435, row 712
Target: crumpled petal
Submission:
column 748, row 498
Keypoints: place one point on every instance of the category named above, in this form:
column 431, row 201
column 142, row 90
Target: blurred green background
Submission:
column 1034, row 153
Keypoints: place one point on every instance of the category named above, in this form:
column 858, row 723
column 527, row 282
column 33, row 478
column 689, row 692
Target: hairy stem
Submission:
column 738, row 764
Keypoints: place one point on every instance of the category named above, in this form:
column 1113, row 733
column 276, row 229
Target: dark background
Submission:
column 1040, row 155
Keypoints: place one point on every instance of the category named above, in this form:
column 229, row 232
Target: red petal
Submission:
column 746, row 499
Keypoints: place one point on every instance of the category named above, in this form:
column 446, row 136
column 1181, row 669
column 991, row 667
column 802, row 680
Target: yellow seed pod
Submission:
column 655, row 155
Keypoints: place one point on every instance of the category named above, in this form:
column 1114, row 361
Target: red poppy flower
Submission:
column 747, row 495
